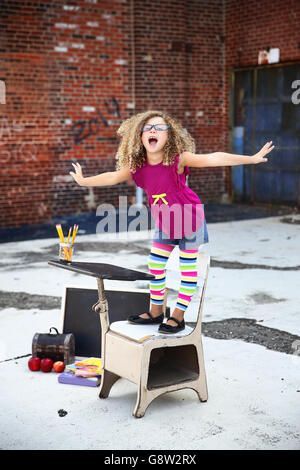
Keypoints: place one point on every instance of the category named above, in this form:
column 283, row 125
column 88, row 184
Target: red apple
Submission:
column 46, row 365
column 34, row 363
column 59, row 366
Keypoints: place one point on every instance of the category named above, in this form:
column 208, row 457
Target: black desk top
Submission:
column 105, row 271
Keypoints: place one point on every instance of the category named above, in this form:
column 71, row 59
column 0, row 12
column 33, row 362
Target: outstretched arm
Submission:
column 109, row 178
column 225, row 159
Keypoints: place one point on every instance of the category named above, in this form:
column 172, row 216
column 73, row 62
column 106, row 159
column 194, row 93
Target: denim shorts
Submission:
column 190, row 242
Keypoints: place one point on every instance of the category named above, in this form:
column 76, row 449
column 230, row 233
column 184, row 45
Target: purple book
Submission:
column 70, row 378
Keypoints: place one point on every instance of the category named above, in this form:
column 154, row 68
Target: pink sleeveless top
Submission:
column 176, row 209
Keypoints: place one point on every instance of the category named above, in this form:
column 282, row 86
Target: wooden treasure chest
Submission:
column 58, row 347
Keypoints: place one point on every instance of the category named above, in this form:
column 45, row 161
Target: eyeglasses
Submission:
column 157, row 127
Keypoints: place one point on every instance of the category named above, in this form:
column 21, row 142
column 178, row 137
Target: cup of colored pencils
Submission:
column 66, row 248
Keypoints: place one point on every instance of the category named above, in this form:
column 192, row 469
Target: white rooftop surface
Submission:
column 253, row 392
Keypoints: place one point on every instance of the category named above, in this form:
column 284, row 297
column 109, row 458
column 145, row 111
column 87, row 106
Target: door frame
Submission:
column 231, row 106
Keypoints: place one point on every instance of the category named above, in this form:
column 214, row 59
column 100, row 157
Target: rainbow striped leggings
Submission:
column 157, row 261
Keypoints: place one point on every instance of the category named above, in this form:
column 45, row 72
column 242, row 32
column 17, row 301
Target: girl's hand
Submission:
column 259, row 156
column 78, row 176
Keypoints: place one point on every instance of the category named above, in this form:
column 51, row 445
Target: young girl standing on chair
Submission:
column 156, row 151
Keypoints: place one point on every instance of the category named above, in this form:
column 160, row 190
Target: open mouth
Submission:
column 152, row 141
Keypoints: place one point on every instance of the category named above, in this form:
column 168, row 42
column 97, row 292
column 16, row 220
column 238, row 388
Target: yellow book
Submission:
column 90, row 365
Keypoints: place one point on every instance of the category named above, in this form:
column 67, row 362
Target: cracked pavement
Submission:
column 251, row 340
column 239, row 328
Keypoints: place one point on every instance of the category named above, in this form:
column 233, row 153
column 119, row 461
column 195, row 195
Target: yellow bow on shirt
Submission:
column 159, row 196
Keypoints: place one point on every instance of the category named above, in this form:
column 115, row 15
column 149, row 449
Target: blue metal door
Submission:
column 266, row 108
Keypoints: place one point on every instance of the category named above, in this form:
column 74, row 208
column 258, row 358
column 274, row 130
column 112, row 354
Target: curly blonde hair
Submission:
column 132, row 153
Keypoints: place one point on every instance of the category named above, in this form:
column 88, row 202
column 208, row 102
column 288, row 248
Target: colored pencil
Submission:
column 70, row 229
column 62, row 239
column 75, row 228
column 60, row 233
column 74, row 233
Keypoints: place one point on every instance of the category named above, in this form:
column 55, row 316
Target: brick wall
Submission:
column 67, row 71
column 71, row 79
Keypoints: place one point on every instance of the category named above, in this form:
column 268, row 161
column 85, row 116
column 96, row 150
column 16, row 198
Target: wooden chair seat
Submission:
column 142, row 333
